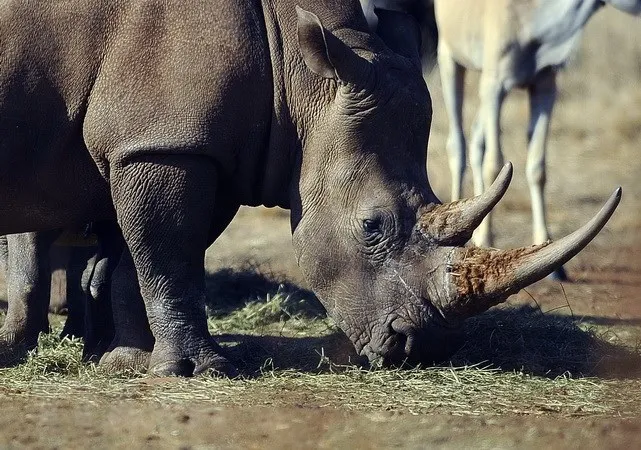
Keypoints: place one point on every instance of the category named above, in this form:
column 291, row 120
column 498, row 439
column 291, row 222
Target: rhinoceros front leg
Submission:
column 164, row 205
column 76, row 263
column 97, row 286
column 28, row 290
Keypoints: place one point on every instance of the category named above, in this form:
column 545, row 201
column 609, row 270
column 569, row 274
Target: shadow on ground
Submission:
column 318, row 354
column 544, row 344
column 510, row 339
column 229, row 289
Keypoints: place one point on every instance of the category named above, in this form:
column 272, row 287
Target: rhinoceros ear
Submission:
column 325, row 54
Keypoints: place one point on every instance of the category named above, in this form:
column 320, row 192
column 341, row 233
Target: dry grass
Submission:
column 457, row 391
column 516, row 360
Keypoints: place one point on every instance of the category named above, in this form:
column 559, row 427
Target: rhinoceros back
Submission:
column 85, row 84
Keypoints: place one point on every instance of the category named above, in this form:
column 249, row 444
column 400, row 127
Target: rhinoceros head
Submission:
column 385, row 257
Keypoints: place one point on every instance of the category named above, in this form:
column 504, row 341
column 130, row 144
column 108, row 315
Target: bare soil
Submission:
column 67, row 424
column 595, row 146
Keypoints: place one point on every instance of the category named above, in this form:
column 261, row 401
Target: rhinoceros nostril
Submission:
column 405, row 335
column 402, row 327
column 409, row 344
column 393, row 351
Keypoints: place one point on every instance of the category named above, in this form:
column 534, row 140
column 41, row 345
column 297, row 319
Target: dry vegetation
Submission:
column 530, row 363
column 516, row 360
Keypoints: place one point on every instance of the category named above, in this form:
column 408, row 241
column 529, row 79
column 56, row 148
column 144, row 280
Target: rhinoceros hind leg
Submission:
column 98, row 280
column 12, row 353
column 78, row 259
column 165, row 208
column 28, row 288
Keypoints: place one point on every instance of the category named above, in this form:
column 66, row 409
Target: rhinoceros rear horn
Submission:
column 479, row 278
column 325, row 54
column 453, row 223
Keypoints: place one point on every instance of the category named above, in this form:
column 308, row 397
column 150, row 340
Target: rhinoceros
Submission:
column 28, row 259
column 167, row 116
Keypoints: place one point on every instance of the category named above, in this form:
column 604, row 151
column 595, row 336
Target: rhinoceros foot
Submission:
column 123, row 358
column 12, row 351
column 202, row 358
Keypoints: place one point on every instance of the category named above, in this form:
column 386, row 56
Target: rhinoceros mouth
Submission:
column 409, row 344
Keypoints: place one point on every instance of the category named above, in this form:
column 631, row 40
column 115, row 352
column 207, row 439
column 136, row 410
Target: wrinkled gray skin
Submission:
column 27, row 258
column 170, row 115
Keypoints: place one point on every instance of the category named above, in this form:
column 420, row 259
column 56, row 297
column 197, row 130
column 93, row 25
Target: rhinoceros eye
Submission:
column 371, row 226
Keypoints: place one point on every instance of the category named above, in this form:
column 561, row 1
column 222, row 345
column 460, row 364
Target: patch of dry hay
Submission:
column 515, row 361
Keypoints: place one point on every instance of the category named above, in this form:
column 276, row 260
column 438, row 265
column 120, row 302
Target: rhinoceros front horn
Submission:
column 453, row 223
column 479, row 278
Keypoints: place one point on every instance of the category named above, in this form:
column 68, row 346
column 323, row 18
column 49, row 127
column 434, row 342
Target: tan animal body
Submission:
column 514, row 43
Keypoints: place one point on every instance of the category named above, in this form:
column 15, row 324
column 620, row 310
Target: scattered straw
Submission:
column 515, row 361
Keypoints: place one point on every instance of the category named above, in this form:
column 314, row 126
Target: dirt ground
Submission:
column 595, row 146
column 70, row 425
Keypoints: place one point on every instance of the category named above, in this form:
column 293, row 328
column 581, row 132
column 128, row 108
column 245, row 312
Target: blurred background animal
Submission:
column 422, row 11
column 514, row 43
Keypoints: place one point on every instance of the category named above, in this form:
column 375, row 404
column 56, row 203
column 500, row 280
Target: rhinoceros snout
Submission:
column 390, row 354
column 408, row 346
